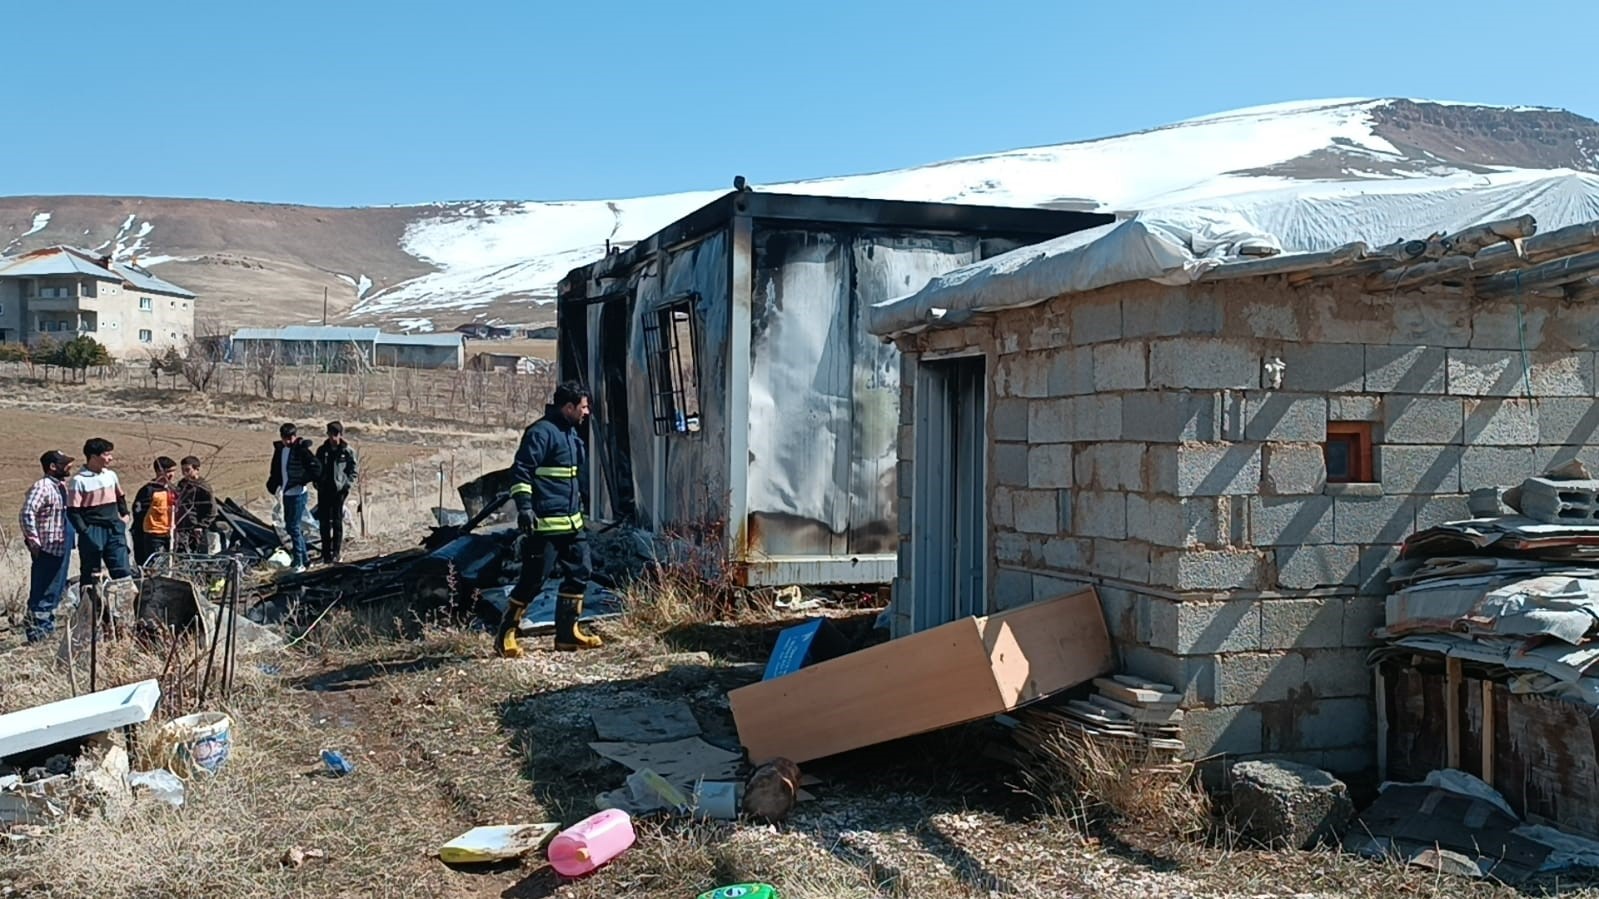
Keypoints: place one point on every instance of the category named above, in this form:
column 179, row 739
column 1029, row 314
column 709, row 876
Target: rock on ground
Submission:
column 1285, row 804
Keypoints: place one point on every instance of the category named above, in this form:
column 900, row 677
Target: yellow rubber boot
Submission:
column 569, row 635
column 505, row 645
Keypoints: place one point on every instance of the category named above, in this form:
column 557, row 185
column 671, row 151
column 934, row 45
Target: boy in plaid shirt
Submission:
column 49, row 539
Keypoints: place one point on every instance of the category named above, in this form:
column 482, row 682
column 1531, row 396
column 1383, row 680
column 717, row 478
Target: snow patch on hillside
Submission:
column 41, row 220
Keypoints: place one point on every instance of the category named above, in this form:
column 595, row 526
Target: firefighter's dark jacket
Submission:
column 548, row 475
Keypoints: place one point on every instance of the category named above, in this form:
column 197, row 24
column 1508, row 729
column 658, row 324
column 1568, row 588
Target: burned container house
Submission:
column 740, row 402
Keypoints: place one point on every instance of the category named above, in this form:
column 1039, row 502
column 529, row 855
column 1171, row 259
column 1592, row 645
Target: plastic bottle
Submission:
column 591, row 842
column 336, row 763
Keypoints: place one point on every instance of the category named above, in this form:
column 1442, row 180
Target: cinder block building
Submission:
column 58, row 293
column 1231, row 448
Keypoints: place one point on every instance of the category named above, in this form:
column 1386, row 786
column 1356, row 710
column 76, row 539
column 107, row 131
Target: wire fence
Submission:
column 492, row 398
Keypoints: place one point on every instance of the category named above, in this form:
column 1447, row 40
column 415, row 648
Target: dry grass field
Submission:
column 538, row 349
column 235, row 456
column 445, row 737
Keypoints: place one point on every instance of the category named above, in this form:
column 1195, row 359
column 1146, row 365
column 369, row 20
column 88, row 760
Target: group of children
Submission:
column 89, row 508
column 176, row 511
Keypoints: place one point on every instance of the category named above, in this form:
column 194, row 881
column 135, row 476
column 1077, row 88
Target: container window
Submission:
column 671, row 338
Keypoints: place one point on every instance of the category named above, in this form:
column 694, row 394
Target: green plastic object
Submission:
column 743, row 891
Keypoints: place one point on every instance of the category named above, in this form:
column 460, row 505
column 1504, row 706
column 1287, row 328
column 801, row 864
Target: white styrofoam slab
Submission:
column 81, row 716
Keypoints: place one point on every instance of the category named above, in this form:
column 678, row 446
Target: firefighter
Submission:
column 546, row 485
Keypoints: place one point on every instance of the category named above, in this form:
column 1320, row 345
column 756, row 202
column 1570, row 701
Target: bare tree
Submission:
column 197, row 360
column 264, row 367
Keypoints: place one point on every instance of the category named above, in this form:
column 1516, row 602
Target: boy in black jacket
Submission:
column 336, row 457
column 293, row 467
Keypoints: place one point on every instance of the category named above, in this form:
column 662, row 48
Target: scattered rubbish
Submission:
column 296, row 856
column 161, row 784
column 600, row 604
column 496, row 843
column 81, row 716
column 99, row 783
column 1125, row 711
column 645, row 792
column 201, row 742
column 772, row 791
column 717, row 799
column 1491, row 645
column 1282, row 804
column 817, row 640
column 335, row 762
column 1446, row 831
column 742, row 891
column 792, row 599
column 27, row 804
column 962, row 671
column 678, row 761
column 653, row 722
column 590, row 843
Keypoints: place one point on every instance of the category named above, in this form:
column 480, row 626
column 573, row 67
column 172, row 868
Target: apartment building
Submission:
column 60, row 292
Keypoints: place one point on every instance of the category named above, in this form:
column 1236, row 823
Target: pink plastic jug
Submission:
column 591, row 842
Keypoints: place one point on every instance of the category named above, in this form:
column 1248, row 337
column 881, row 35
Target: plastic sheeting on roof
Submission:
column 1177, row 244
column 1173, row 249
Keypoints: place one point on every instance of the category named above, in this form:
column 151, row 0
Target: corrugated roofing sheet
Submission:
column 54, row 261
column 143, row 280
column 420, row 340
column 310, row 333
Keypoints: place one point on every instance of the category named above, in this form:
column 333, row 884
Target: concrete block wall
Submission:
column 1137, row 444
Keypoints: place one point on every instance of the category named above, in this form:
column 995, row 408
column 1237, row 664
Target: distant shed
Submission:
column 444, row 351
column 348, row 349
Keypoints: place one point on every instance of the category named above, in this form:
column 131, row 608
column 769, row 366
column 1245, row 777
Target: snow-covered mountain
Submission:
column 443, row 264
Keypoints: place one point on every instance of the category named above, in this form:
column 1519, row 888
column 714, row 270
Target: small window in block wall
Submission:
column 1348, row 452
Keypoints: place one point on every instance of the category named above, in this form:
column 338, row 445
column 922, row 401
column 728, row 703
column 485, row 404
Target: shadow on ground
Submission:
column 727, row 642
column 359, row 676
column 893, row 790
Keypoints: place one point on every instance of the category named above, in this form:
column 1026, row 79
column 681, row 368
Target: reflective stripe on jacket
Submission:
column 547, row 476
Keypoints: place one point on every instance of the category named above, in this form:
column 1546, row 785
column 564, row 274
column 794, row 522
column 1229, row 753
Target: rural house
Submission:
column 740, row 400
column 58, row 293
column 1230, row 448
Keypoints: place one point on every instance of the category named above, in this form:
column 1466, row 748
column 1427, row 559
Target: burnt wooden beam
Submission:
column 1561, row 271
column 1289, row 264
column 1497, row 258
column 1474, row 249
column 1475, row 239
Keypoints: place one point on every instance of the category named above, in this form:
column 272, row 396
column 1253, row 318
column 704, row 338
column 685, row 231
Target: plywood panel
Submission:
column 948, row 675
column 1036, row 649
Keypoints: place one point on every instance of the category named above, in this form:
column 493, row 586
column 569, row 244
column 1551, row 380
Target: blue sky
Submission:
column 360, row 103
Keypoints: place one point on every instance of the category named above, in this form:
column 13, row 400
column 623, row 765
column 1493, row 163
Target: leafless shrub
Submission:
column 1086, row 779
column 265, row 366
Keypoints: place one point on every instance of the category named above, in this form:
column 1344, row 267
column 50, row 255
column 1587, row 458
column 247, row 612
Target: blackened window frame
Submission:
column 674, row 370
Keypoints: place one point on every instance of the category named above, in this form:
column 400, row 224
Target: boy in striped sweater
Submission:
column 99, row 514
